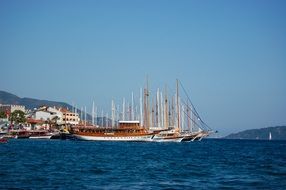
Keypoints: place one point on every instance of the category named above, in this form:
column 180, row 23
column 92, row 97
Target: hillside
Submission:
column 277, row 133
column 29, row 103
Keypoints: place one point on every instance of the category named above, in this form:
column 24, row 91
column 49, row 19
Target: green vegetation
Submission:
column 2, row 114
column 18, row 116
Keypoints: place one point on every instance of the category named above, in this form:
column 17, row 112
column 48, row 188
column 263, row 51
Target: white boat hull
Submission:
column 144, row 138
column 41, row 137
column 159, row 139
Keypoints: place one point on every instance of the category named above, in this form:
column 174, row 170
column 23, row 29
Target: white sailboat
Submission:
column 270, row 136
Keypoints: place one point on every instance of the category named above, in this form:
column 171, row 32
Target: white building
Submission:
column 48, row 114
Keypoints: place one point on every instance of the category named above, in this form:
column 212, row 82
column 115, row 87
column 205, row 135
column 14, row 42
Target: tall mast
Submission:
column 162, row 109
column 146, row 106
column 188, row 116
column 84, row 115
column 81, row 116
column 178, row 111
column 123, row 110
column 117, row 115
column 112, row 113
column 152, row 114
column 182, row 117
column 141, row 108
column 166, row 109
column 106, row 120
column 95, row 116
column 102, row 118
column 92, row 113
column 158, row 108
column 132, row 106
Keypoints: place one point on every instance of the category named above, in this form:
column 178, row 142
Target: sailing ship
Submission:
column 126, row 131
column 163, row 122
column 178, row 132
column 270, row 136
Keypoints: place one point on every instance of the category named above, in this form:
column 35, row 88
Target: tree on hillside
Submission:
column 2, row 114
column 18, row 116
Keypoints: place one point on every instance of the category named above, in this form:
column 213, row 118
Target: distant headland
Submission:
column 268, row 133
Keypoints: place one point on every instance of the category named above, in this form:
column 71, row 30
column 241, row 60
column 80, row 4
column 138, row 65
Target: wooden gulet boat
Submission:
column 126, row 131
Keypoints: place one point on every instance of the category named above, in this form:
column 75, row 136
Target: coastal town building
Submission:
column 34, row 124
column 69, row 117
column 49, row 114
column 57, row 116
column 9, row 108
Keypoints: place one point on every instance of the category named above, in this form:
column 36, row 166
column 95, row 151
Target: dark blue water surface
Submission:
column 209, row 164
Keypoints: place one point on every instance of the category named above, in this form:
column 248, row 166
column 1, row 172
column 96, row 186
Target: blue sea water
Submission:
column 209, row 164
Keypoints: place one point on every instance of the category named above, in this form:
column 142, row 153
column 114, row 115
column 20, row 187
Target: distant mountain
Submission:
column 29, row 103
column 277, row 133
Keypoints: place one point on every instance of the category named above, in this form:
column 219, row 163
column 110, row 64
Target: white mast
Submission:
column 192, row 118
column 123, row 110
column 132, row 106
column 162, row 109
column 166, row 119
column 84, row 115
column 92, row 113
column 95, row 116
column 75, row 109
column 183, row 117
column 106, row 120
column 117, row 114
column 158, row 107
column 102, row 118
column 112, row 113
column 178, row 110
column 141, row 108
column 81, row 116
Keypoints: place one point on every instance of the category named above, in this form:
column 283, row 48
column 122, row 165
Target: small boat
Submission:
column 190, row 136
column 270, row 136
column 168, row 136
column 62, row 135
column 3, row 140
column 40, row 134
column 21, row 134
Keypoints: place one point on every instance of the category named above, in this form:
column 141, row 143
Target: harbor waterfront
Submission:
column 169, row 118
column 207, row 164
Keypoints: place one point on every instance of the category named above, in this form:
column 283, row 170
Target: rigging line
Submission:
column 195, row 113
column 193, row 105
column 188, row 97
column 192, row 108
column 196, row 124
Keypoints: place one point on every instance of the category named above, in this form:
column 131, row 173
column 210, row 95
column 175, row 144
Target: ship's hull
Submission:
column 41, row 137
column 141, row 138
column 164, row 139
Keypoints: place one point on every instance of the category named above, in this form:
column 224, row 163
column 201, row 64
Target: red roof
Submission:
column 34, row 121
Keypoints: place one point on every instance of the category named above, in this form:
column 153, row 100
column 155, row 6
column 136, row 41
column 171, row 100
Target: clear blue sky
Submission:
column 230, row 55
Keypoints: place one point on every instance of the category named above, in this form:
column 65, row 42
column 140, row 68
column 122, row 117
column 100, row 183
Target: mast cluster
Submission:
column 159, row 111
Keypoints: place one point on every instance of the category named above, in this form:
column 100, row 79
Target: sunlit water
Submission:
column 209, row 164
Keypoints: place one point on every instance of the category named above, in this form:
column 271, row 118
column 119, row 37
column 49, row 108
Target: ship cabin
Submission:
column 124, row 128
column 128, row 124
